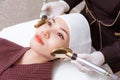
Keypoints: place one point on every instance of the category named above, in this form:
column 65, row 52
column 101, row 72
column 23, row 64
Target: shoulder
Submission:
column 6, row 45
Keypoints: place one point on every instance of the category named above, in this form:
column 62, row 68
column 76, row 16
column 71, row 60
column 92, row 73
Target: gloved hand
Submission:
column 53, row 9
column 95, row 58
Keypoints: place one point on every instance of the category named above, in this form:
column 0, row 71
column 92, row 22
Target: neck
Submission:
column 32, row 57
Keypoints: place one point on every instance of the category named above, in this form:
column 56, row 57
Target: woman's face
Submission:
column 54, row 34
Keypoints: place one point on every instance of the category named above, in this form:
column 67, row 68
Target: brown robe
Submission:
column 9, row 54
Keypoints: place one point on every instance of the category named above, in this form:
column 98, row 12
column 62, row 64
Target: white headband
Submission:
column 80, row 40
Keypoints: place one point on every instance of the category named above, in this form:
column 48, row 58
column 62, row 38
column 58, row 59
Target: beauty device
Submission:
column 43, row 19
column 67, row 52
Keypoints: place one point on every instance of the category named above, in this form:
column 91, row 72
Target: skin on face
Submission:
column 52, row 35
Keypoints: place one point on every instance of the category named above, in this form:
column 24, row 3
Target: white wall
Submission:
column 16, row 11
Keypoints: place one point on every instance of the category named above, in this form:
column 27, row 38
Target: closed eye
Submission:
column 49, row 23
column 60, row 35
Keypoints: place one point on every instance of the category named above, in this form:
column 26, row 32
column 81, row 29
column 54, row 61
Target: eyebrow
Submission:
column 64, row 31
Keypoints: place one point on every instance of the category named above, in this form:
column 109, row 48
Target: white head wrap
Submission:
column 80, row 40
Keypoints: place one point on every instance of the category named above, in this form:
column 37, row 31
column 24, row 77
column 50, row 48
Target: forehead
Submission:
column 62, row 23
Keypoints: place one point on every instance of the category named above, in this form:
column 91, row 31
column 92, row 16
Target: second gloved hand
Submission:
column 53, row 9
column 96, row 58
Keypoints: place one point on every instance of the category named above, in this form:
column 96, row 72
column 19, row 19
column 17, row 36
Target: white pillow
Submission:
column 22, row 34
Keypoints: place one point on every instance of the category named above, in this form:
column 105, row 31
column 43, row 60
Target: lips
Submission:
column 38, row 38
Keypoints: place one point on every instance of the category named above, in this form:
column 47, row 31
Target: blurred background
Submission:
column 17, row 11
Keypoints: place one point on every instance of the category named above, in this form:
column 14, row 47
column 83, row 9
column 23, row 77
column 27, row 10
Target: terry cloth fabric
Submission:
column 9, row 54
column 80, row 40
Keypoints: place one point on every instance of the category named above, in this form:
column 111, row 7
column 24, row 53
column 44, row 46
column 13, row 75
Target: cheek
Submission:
column 34, row 45
column 57, row 44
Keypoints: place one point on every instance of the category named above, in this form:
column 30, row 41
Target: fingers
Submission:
column 44, row 7
column 85, row 56
column 53, row 9
column 42, row 14
column 47, row 5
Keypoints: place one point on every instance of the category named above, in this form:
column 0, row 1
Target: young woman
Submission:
column 35, row 62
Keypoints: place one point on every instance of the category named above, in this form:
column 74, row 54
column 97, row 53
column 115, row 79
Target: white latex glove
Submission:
column 95, row 58
column 53, row 9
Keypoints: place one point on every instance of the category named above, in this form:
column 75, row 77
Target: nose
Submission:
column 46, row 34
